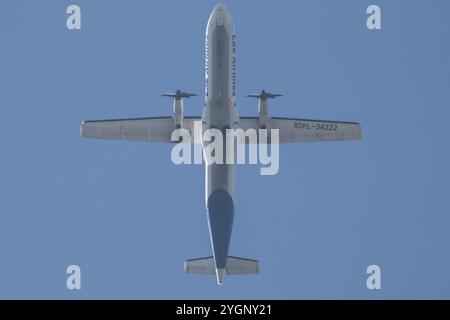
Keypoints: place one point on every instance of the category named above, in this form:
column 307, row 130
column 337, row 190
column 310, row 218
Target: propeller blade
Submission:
column 179, row 94
column 264, row 95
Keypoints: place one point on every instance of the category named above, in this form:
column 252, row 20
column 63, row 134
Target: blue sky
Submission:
column 129, row 217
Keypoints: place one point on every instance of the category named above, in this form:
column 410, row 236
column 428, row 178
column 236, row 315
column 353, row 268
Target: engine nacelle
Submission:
column 178, row 107
column 263, row 114
column 264, row 119
column 178, row 113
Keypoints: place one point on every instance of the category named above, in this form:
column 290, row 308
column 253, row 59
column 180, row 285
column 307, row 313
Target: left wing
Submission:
column 304, row 130
column 157, row 129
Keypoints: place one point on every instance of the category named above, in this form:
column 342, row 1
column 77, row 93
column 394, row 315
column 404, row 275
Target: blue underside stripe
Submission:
column 220, row 218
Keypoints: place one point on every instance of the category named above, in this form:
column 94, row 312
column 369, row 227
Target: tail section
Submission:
column 237, row 265
column 234, row 266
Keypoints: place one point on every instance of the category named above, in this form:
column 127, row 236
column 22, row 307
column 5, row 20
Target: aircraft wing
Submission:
column 157, row 129
column 304, row 130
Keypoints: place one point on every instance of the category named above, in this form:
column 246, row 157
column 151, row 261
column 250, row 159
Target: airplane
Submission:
column 220, row 112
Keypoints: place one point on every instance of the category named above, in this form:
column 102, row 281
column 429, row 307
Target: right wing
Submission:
column 158, row 129
column 303, row 130
column 293, row 130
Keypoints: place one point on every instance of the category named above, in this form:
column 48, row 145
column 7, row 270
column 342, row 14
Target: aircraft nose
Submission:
column 220, row 8
column 219, row 15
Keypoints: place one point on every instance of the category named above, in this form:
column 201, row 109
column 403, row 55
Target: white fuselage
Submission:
column 220, row 91
column 220, row 113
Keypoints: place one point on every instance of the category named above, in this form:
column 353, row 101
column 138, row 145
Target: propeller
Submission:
column 178, row 95
column 264, row 95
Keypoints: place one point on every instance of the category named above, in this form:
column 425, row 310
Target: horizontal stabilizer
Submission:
column 234, row 266
column 200, row 266
column 237, row 265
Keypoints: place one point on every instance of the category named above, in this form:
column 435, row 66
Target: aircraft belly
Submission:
column 219, row 178
column 219, row 115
